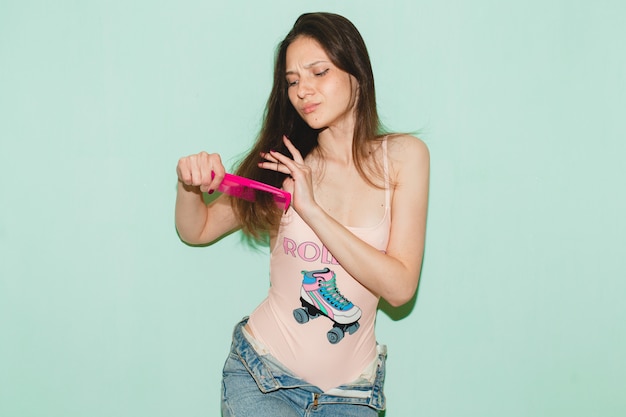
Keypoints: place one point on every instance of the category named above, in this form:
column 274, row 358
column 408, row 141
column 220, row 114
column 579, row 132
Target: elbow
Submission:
column 399, row 301
column 189, row 238
column 403, row 295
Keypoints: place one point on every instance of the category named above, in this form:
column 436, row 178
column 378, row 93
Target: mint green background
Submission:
column 521, row 307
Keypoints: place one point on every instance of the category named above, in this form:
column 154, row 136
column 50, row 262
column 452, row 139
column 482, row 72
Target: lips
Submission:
column 309, row 108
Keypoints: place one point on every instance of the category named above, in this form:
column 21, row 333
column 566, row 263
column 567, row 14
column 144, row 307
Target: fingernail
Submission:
column 210, row 191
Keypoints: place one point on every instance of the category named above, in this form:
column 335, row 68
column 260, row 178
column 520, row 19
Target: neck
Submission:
column 335, row 143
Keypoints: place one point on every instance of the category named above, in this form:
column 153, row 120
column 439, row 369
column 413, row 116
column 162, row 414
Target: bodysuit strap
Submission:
column 386, row 173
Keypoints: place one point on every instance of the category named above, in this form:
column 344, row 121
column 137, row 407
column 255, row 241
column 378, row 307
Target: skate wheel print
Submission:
column 320, row 296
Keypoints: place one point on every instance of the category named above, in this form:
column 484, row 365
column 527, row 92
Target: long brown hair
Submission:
column 346, row 49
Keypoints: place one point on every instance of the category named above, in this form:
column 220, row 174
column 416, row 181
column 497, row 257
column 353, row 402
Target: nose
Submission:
column 304, row 88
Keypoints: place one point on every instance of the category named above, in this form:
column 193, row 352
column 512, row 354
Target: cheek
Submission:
column 343, row 90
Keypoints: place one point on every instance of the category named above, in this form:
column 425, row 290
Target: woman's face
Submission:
column 322, row 94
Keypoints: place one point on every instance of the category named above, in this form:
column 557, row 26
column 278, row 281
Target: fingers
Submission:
column 202, row 170
column 269, row 157
column 289, row 185
column 276, row 161
column 295, row 153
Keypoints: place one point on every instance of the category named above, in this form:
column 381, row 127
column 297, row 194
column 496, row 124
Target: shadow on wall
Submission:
column 398, row 313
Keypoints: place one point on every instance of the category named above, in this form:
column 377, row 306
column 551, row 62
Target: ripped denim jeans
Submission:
column 258, row 385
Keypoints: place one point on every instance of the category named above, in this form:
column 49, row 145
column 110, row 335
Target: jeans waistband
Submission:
column 269, row 376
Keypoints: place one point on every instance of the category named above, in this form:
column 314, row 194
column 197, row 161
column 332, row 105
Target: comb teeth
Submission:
column 245, row 188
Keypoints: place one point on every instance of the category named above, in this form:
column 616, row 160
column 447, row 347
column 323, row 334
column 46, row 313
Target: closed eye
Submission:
column 321, row 74
column 317, row 74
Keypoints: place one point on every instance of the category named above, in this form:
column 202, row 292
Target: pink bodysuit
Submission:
column 317, row 320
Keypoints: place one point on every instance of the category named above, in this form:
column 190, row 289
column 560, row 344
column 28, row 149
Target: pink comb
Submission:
column 242, row 187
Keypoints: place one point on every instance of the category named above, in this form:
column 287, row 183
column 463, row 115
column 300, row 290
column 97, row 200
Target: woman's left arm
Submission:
column 394, row 274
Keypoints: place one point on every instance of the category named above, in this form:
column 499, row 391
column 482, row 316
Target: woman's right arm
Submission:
column 197, row 222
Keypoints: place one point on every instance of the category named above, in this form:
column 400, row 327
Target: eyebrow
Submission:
column 307, row 66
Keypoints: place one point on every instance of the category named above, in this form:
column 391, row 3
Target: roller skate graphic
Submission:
column 319, row 296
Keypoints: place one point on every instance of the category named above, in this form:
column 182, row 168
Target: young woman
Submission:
column 353, row 233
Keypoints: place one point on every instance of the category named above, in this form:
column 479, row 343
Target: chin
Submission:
column 315, row 124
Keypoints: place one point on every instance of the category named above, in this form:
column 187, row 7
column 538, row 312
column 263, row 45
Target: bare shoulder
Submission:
column 407, row 153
